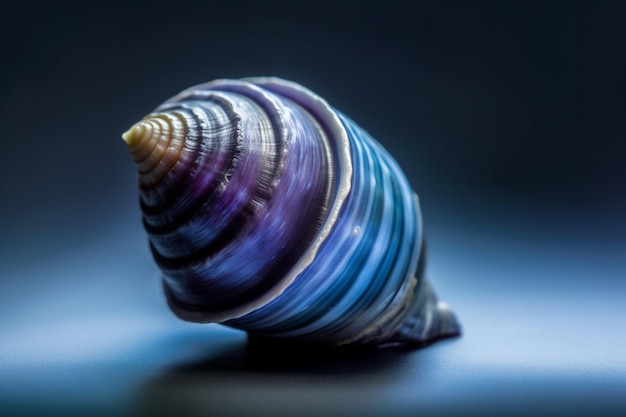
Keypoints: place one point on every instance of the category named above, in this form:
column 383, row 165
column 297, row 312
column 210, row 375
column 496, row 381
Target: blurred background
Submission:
column 507, row 117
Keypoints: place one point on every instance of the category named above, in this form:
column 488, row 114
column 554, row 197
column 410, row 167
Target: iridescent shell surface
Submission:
column 270, row 211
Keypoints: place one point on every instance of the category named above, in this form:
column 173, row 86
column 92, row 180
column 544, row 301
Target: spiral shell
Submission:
column 269, row 211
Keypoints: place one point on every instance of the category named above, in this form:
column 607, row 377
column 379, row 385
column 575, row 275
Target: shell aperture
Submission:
column 270, row 211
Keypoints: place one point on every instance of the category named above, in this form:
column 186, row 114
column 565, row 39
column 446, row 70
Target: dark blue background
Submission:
column 508, row 118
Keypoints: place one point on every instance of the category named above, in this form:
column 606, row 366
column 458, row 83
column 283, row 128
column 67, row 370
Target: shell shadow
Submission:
column 261, row 371
column 261, row 355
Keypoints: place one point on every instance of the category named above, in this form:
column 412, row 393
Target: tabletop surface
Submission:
column 542, row 334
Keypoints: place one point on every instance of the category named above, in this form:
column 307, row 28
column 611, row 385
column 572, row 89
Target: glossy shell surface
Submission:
column 270, row 211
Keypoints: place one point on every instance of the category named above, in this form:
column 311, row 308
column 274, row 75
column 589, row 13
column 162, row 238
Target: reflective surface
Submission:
column 542, row 335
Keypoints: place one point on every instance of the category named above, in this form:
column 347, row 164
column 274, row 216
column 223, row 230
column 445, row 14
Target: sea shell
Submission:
column 269, row 211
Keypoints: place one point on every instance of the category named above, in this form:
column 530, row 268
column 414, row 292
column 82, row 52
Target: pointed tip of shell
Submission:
column 137, row 134
column 131, row 136
column 155, row 143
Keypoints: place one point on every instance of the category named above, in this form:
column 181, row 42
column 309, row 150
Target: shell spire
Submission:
column 270, row 211
column 155, row 144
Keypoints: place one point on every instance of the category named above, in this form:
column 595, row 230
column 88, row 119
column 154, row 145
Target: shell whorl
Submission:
column 270, row 211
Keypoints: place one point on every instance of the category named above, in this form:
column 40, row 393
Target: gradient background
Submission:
column 508, row 118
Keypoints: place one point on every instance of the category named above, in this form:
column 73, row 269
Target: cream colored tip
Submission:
column 133, row 135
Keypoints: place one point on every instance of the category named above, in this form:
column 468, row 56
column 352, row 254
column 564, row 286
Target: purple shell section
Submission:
column 243, row 202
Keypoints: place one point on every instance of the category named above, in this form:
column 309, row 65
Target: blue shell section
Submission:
column 364, row 265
